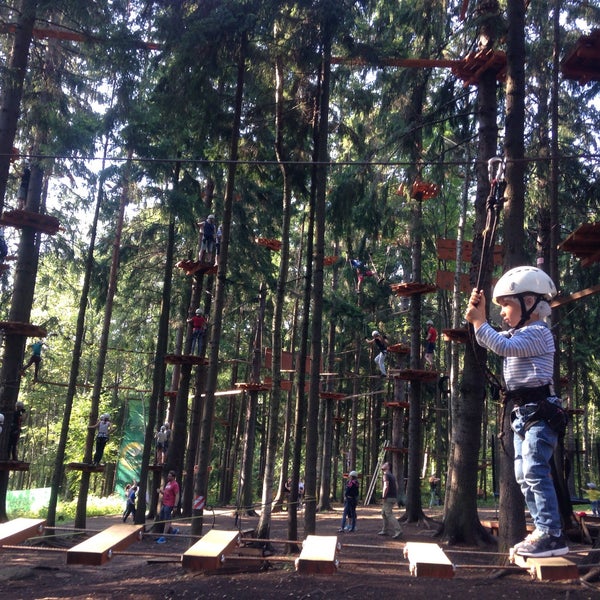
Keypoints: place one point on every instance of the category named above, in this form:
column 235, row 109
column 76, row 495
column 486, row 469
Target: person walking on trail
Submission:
column 593, row 494
column 169, row 497
column 381, row 343
column 208, row 231
column 104, row 428
column 430, row 340
column 389, row 496
column 198, row 322
column 434, row 498
column 130, row 506
column 537, row 419
column 15, row 430
column 350, row 502
column 35, row 359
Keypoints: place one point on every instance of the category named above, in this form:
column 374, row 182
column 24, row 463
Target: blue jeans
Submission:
column 349, row 513
column 533, row 452
column 380, row 362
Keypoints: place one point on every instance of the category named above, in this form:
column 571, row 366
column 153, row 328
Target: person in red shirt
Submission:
column 169, row 495
column 430, row 340
column 198, row 322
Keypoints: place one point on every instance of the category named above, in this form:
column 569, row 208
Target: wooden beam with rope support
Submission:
column 20, row 529
column 318, row 555
column 210, row 552
column 428, row 560
column 99, row 549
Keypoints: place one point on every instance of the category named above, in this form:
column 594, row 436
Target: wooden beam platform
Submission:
column 582, row 63
column 318, row 555
column 398, row 349
column 19, row 530
column 185, row 359
column 210, row 552
column 99, row 549
column 27, row 218
column 412, row 288
column 13, row 465
column 86, row 467
column 584, row 243
column 396, row 404
column 269, row 243
column 19, row 328
column 553, row 568
column 428, row 560
column 190, row 267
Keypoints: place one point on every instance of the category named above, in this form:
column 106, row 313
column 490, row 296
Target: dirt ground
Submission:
column 371, row 566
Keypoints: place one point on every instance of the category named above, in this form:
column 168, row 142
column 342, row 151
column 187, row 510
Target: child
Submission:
column 130, row 506
column 381, row 343
column 350, row 502
column 537, row 418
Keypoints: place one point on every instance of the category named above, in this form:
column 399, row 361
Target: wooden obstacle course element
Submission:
column 318, row 555
column 19, row 328
column 86, row 467
column 190, row 267
column 582, row 63
column 412, row 288
column 99, row 549
column 28, row 218
column 428, row 560
column 269, row 243
column 330, row 260
column 416, row 375
column 13, row 465
column 456, row 335
column 19, row 530
column 332, row 395
column 493, row 526
column 584, row 243
column 475, row 64
column 185, row 359
column 553, row 568
column 399, row 349
column 253, row 386
column 396, row 404
column 209, row 552
column 446, row 250
column 396, row 450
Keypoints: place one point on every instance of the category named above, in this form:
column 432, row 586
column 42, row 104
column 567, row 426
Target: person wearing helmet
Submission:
column 350, row 502
column 537, row 417
column 104, row 427
column 430, row 340
column 16, row 427
column 35, row 359
column 198, row 321
column 208, row 237
column 381, row 344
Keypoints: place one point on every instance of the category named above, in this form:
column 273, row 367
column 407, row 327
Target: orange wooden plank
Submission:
column 19, row 530
column 210, row 552
column 319, row 555
column 99, row 549
column 428, row 560
column 554, row 568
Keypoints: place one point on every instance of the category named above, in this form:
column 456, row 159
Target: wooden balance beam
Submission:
column 553, row 568
column 428, row 560
column 209, row 553
column 319, row 555
column 19, row 530
column 99, row 549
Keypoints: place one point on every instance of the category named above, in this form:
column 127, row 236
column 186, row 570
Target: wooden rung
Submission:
column 86, row 467
column 19, row 530
column 416, row 375
column 428, row 560
column 209, row 553
column 319, row 555
column 99, row 549
column 396, row 404
column 185, row 359
column 19, row 328
column 553, row 568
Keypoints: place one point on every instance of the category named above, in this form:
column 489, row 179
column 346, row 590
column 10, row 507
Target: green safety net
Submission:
column 129, row 462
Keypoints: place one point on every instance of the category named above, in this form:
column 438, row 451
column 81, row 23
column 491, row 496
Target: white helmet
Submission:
column 429, row 322
column 211, row 217
column 353, row 474
column 105, row 416
column 198, row 311
column 523, row 280
column 375, row 333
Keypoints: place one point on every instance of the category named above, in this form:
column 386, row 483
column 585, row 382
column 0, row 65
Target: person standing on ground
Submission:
column 537, row 419
column 390, row 499
column 169, row 497
column 350, row 503
column 130, row 506
column 381, row 343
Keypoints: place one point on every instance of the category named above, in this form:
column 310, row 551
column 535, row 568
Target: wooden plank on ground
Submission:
column 210, row 551
column 553, row 568
column 19, row 530
column 319, row 555
column 99, row 549
column 428, row 560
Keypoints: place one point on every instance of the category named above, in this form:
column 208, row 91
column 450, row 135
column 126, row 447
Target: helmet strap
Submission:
column 526, row 312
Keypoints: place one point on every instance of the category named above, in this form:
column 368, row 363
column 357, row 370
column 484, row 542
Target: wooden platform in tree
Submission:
column 412, row 288
column 396, row 450
column 253, row 387
column 13, row 465
column 210, row 552
column 332, row 395
column 330, row 260
column 171, row 394
column 318, row 555
column 582, row 63
column 86, row 467
column 419, row 190
column 99, row 549
column 584, row 243
column 185, row 359
column 396, row 404
column 446, row 250
column 156, row 467
column 27, row 218
column 456, row 335
column 398, row 349
column 475, row 64
column 416, row 375
column 428, row 560
column 190, row 267
column 554, row 568
column 269, row 243
column 19, row 530
column 26, row 329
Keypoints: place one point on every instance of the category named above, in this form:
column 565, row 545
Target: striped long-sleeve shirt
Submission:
column 528, row 353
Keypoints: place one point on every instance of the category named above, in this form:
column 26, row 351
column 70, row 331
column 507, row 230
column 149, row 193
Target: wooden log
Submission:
column 19, row 530
column 428, row 560
column 319, row 555
column 210, row 552
column 99, row 549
